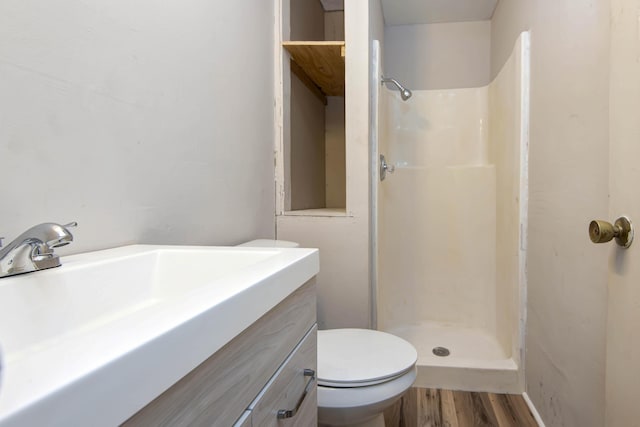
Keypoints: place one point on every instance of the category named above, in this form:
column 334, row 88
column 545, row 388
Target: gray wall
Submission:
column 306, row 20
column 438, row 56
column 308, row 184
column 144, row 121
column 568, row 167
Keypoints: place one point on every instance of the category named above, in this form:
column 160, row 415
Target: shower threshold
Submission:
column 476, row 360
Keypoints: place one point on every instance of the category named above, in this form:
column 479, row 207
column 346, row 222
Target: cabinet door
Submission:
column 245, row 420
column 292, row 389
column 218, row 391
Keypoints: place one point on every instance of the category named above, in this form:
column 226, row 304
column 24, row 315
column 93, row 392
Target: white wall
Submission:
column 144, row 121
column 343, row 240
column 438, row 56
column 568, row 176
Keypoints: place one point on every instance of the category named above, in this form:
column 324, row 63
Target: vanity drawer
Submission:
column 245, row 420
column 292, row 389
column 217, row 392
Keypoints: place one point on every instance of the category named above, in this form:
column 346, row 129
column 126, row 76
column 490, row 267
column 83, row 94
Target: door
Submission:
column 623, row 324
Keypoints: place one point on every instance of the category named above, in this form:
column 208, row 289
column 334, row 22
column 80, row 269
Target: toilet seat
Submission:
column 351, row 358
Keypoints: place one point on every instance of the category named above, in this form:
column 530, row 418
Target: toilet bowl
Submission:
column 361, row 372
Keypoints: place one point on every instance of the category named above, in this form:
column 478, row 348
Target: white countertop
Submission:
column 106, row 369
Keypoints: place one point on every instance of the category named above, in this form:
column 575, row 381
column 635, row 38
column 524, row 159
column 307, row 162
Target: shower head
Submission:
column 404, row 92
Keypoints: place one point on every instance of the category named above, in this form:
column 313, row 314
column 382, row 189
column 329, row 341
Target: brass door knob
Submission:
column 603, row 231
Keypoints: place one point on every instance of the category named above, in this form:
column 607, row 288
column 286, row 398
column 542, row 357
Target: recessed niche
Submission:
column 314, row 115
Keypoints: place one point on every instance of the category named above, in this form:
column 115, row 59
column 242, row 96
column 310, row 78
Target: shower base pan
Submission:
column 476, row 360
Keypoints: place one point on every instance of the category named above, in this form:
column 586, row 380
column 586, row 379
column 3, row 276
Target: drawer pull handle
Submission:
column 290, row 413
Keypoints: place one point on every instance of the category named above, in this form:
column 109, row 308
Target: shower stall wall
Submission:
column 451, row 227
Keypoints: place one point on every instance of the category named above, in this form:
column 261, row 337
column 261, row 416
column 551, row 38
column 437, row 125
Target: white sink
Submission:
column 102, row 326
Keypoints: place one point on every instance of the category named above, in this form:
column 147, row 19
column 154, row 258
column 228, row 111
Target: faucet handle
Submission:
column 71, row 224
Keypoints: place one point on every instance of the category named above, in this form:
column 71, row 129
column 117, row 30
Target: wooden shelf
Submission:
column 320, row 212
column 322, row 62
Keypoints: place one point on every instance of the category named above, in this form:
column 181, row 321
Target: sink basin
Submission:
column 108, row 321
column 84, row 294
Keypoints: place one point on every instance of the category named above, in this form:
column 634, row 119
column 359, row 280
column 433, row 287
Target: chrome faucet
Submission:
column 33, row 249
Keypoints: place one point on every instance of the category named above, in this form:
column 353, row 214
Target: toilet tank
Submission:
column 270, row 243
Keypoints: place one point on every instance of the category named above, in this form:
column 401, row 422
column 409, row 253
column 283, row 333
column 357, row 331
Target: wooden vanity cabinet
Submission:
column 265, row 369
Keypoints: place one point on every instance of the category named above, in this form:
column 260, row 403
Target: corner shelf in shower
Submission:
column 319, row 63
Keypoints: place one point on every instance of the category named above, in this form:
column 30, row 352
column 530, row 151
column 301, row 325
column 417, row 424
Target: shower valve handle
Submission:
column 385, row 167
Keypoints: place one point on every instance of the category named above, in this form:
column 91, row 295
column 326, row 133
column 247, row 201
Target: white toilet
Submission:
column 361, row 372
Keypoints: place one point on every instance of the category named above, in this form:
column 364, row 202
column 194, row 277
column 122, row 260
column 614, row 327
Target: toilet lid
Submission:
column 361, row 357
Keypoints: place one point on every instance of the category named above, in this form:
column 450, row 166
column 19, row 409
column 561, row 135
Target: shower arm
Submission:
column 404, row 92
column 384, row 80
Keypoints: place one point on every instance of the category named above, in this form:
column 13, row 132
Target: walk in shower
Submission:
column 450, row 225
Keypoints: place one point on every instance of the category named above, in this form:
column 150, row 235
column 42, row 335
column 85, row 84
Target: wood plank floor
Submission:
column 423, row 407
